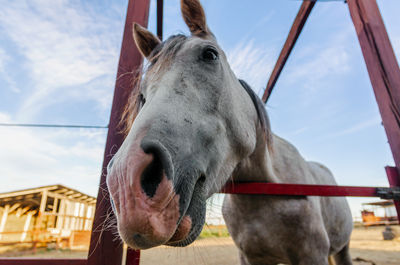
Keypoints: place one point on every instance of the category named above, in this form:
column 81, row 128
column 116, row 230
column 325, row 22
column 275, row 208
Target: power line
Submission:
column 52, row 126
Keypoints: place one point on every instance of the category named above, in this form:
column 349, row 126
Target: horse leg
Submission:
column 343, row 256
column 331, row 260
column 242, row 260
column 311, row 261
column 307, row 257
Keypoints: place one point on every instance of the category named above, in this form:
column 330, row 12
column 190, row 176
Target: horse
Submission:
column 192, row 128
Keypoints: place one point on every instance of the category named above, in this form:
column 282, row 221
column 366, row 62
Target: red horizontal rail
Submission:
column 298, row 189
column 30, row 261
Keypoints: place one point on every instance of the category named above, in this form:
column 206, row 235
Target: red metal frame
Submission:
column 104, row 248
column 160, row 15
column 385, row 78
column 394, row 181
column 30, row 261
column 294, row 33
column 261, row 188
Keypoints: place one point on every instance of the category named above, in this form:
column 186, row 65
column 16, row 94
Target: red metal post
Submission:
column 132, row 257
column 382, row 66
column 291, row 39
column 105, row 248
column 394, row 181
column 160, row 14
column 29, row 261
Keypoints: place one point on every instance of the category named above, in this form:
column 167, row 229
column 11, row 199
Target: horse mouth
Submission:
column 182, row 231
column 192, row 222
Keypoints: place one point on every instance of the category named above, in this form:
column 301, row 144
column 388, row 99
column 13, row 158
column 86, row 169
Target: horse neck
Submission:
column 278, row 163
column 258, row 167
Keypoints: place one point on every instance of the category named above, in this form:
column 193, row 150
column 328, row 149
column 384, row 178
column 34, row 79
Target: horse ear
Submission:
column 194, row 17
column 144, row 39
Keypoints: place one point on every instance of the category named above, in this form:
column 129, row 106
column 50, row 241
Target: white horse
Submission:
column 196, row 127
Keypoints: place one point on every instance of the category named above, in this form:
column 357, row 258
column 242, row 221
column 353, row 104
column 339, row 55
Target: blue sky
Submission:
column 58, row 62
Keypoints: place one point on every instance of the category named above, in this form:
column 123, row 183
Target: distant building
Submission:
column 43, row 215
column 379, row 213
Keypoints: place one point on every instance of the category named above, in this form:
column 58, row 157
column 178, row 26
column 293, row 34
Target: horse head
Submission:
column 196, row 127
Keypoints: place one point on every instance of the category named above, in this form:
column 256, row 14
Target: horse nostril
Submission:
column 152, row 175
column 202, row 178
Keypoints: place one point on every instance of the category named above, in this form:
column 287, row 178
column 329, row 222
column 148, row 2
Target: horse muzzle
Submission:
column 145, row 203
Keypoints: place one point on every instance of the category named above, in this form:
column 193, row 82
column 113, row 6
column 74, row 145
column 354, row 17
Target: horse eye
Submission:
column 210, row 54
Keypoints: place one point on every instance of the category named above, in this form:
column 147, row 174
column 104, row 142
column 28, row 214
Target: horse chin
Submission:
column 189, row 239
column 181, row 238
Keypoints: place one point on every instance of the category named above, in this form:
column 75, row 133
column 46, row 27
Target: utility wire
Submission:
column 52, row 125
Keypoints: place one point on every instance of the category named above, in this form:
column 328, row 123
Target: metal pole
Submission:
column 160, row 13
column 291, row 39
column 394, row 181
column 382, row 68
column 105, row 249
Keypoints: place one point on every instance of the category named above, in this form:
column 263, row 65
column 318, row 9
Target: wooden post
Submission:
column 61, row 214
column 4, row 219
column 38, row 226
column 382, row 66
column 54, row 212
column 104, row 249
column 26, row 225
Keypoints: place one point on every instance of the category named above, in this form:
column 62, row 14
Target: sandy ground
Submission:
column 365, row 243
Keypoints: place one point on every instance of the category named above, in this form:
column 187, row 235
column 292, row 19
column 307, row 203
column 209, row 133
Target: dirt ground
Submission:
column 366, row 243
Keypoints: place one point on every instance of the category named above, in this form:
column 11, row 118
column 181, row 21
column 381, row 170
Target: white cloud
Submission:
column 32, row 157
column 4, row 117
column 64, row 45
column 4, row 59
column 251, row 63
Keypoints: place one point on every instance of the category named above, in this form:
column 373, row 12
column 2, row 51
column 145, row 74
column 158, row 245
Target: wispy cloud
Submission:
column 251, row 63
column 4, row 74
column 64, row 45
column 317, row 63
column 298, row 131
column 374, row 121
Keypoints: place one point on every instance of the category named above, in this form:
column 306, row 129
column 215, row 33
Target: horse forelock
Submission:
column 164, row 52
column 159, row 59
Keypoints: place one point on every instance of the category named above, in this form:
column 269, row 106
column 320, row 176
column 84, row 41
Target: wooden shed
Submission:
column 379, row 213
column 48, row 214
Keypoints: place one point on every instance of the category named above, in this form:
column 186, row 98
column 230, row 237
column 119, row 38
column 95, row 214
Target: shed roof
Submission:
column 31, row 197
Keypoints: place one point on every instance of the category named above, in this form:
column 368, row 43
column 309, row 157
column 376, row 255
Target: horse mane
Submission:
column 261, row 113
